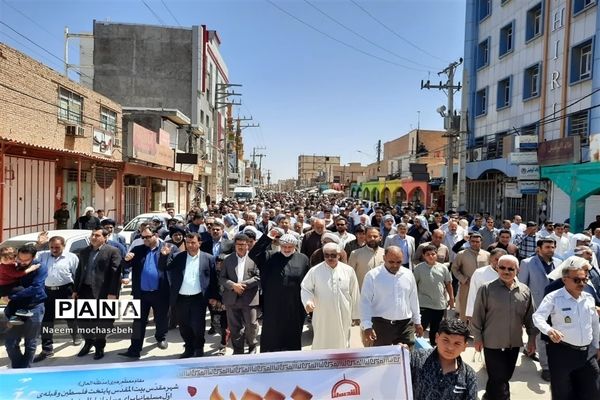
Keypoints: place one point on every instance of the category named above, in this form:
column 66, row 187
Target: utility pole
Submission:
column 260, row 157
column 268, row 179
column 254, row 155
column 378, row 148
column 451, row 124
column 238, row 139
column 222, row 100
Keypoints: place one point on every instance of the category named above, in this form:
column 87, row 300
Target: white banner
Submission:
column 529, row 172
column 527, row 157
column 371, row 373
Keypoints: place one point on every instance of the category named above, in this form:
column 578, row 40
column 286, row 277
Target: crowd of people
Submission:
column 289, row 259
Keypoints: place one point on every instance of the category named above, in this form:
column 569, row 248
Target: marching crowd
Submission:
column 289, row 258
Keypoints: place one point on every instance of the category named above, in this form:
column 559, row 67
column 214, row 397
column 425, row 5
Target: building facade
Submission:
column 316, row 169
column 156, row 68
column 529, row 93
column 59, row 141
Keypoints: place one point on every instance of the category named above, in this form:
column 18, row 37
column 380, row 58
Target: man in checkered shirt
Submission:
column 526, row 241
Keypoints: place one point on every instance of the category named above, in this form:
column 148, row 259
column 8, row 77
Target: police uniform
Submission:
column 572, row 361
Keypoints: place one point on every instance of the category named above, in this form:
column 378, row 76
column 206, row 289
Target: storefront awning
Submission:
column 144, row 170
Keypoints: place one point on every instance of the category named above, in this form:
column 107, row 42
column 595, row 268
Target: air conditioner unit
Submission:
column 80, row 131
column 70, row 130
column 117, row 142
column 479, row 154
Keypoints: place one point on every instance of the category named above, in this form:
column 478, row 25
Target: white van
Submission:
column 244, row 193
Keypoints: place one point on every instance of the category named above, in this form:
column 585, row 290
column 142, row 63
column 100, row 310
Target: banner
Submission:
column 371, row 373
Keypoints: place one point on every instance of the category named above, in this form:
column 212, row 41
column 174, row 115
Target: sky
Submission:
column 320, row 77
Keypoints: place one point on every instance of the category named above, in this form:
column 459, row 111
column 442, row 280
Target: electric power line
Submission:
column 30, row 19
column 31, row 49
column 153, row 13
column 169, row 10
column 365, row 38
column 340, row 41
column 44, row 49
column 395, row 33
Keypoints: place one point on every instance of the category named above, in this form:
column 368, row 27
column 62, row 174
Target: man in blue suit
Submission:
column 150, row 284
column 194, row 285
column 534, row 273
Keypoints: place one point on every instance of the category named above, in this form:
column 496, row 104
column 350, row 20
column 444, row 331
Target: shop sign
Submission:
column 103, row 142
column 560, row 151
column 151, row 146
column 525, row 157
column 529, row 172
column 526, row 142
column 529, row 187
column 511, row 190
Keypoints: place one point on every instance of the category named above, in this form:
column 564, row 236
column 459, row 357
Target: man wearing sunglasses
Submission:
column 502, row 308
column 574, row 334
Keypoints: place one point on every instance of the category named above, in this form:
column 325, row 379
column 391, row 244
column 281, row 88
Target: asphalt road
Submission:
column 526, row 383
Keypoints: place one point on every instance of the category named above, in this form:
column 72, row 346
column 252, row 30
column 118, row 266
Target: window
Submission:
column 481, row 102
column 581, row 5
column 578, row 125
column 531, row 82
column 529, row 130
column 108, row 120
column 485, row 9
column 503, row 2
column 483, row 53
column 504, row 95
column 534, row 22
column 507, row 39
column 495, row 148
column 581, row 61
column 70, row 107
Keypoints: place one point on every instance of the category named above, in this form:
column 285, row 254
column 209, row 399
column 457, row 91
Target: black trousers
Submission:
column 191, row 317
column 158, row 301
column 574, row 373
column 431, row 319
column 402, row 331
column 65, row 292
column 89, row 327
column 500, row 364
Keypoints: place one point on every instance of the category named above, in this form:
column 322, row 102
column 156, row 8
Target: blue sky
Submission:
column 310, row 93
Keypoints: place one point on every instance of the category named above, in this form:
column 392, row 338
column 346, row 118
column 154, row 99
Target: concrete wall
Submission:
column 144, row 66
column 33, row 117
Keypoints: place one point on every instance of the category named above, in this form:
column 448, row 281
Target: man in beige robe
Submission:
column 367, row 257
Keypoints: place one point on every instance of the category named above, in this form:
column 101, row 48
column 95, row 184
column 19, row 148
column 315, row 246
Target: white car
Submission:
column 75, row 239
column 132, row 226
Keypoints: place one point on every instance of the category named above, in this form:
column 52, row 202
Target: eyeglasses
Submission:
column 146, row 237
column 327, row 255
column 578, row 281
column 509, row 269
column 340, row 224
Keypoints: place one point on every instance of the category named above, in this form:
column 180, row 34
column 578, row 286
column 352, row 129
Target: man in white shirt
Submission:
column 562, row 241
column 341, row 226
column 574, row 335
column 517, row 227
column 389, row 304
column 482, row 276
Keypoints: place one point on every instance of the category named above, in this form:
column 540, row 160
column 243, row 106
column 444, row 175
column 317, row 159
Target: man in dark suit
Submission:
column 239, row 277
column 213, row 242
column 151, row 285
column 194, row 285
column 98, row 276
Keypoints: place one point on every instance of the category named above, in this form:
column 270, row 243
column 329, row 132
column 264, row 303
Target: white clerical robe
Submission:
column 335, row 294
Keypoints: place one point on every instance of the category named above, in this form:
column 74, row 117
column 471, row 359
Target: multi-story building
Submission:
column 180, row 70
column 314, row 169
column 343, row 176
column 59, row 141
column 411, row 170
column 530, row 104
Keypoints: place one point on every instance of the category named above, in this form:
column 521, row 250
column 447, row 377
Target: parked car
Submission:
column 75, row 241
column 132, row 226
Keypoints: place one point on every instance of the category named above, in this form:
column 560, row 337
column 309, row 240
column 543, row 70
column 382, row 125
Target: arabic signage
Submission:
column 529, row 172
column 529, row 187
column 526, row 142
column 560, row 151
column 151, row 146
column 511, row 190
column 103, row 142
column 523, row 157
column 300, row 375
